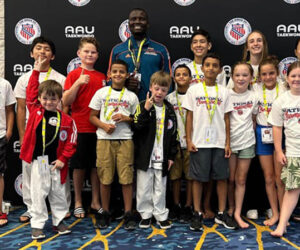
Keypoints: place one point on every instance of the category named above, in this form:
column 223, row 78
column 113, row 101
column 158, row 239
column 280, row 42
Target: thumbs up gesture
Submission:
column 83, row 79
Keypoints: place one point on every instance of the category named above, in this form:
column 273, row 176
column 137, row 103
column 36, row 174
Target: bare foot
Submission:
column 278, row 232
column 208, row 214
column 271, row 221
column 239, row 221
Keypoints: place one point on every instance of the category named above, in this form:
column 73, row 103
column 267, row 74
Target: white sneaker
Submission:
column 252, row 214
column 269, row 213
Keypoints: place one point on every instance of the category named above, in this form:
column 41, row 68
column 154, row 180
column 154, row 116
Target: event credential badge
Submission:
column 210, row 135
column 267, row 135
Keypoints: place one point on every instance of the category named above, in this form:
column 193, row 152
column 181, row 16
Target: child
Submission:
column 255, row 50
column 242, row 137
column 182, row 77
column 297, row 49
column 7, row 102
column 44, row 48
column 81, row 85
column 49, row 142
column 200, row 45
column 267, row 91
column 155, row 137
column 285, row 113
column 208, row 139
column 112, row 109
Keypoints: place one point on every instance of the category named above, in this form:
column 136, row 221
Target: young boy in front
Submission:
column 112, row 110
column 208, row 139
column 48, row 144
column 81, row 85
column 182, row 78
column 155, row 128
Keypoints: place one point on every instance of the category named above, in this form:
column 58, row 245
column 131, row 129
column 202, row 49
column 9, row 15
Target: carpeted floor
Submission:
column 18, row 236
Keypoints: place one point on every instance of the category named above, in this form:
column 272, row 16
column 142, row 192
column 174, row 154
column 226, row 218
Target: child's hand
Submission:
column 83, row 79
column 8, row 135
column 57, row 165
column 227, row 151
column 281, row 158
column 120, row 118
column 170, row 164
column 39, row 63
column 149, row 102
column 191, row 147
column 109, row 128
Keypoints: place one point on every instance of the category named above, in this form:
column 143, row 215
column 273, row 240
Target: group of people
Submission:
column 133, row 122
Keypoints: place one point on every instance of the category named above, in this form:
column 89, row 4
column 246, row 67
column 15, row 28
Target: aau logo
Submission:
column 184, row 2
column 27, row 30
column 79, row 31
column 237, row 30
column 79, row 3
column 180, row 61
column 284, row 65
column 124, row 32
column 20, row 69
column 292, row 1
column 182, row 32
column 73, row 64
column 291, row 30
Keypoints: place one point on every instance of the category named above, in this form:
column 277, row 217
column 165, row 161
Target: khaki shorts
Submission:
column 112, row 154
column 247, row 153
column 181, row 165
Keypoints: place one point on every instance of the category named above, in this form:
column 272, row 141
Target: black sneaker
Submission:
column 103, row 220
column 145, row 223
column 196, row 222
column 186, row 215
column 225, row 220
column 129, row 221
column 174, row 213
column 164, row 224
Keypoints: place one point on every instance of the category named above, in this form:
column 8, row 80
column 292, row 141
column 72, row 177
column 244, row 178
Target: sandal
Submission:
column 3, row 218
column 96, row 211
column 27, row 217
column 79, row 212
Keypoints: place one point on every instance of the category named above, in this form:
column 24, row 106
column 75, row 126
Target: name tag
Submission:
column 267, row 135
column 210, row 135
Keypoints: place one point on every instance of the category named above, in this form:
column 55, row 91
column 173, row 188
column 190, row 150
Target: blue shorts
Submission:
column 263, row 148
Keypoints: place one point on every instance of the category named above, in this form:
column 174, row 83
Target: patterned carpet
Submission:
column 84, row 236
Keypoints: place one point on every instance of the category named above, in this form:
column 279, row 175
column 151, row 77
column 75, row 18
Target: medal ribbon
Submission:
column 44, row 132
column 136, row 60
column 180, row 112
column 211, row 112
column 196, row 70
column 48, row 74
column 107, row 117
column 159, row 129
column 265, row 98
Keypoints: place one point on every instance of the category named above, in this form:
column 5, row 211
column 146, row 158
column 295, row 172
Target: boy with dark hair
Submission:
column 49, row 142
column 44, row 48
column 155, row 128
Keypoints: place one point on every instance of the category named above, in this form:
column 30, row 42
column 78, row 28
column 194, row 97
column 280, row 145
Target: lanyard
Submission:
column 265, row 98
column 44, row 132
column 180, row 109
column 48, row 74
column 211, row 112
column 196, row 70
column 136, row 60
column 161, row 124
column 107, row 117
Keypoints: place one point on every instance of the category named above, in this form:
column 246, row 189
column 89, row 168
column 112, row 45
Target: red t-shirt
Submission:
column 80, row 107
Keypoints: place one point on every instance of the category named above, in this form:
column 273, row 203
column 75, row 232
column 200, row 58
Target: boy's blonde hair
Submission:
column 91, row 40
column 161, row 78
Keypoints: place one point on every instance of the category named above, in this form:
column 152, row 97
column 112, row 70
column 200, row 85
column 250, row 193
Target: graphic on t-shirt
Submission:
column 202, row 100
column 239, row 106
column 290, row 113
column 261, row 107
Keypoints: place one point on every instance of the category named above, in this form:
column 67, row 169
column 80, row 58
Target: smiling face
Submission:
column 200, row 46
column 118, row 74
column 268, row 75
column 43, row 51
column 293, row 79
column 182, row 77
column 241, row 78
column 49, row 102
column 138, row 23
column 255, row 43
column 88, row 54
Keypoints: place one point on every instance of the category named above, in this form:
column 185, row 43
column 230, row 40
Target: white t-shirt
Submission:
column 157, row 155
column 204, row 134
column 126, row 106
column 244, row 105
column 286, row 112
column 180, row 120
column 6, row 98
column 221, row 78
column 21, row 85
column 261, row 117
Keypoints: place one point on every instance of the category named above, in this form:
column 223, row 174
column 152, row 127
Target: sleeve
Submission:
column 69, row 81
column 134, row 104
column 70, row 145
column 10, row 97
column 166, row 61
column 276, row 115
column 20, row 88
column 96, row 102
column 227, row 104
column 187, row 102
column 32, row 90
column 141, row 117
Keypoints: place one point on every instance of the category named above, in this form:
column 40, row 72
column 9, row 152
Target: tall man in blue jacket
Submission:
column 143, row 55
